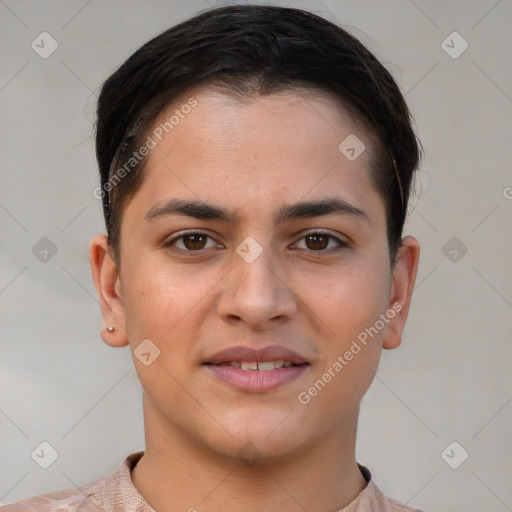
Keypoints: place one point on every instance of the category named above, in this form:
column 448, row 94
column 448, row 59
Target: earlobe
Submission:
column 106, row 280
column 402, row 286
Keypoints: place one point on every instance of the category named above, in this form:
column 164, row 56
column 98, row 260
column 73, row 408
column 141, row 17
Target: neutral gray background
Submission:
column 449, row 381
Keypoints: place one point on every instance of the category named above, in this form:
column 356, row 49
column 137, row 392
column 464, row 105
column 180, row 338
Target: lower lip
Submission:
column 257, row 381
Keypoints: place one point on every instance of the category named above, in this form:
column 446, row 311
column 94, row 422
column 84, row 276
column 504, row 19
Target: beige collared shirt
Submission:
column 116, row 493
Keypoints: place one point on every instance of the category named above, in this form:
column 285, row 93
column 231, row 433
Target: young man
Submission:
column 255, row 170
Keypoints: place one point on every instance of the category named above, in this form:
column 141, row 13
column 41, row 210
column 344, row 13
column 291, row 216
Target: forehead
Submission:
column 289, row 144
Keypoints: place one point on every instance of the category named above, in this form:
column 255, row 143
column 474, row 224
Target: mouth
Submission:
column 263, row 366
column 256, row 371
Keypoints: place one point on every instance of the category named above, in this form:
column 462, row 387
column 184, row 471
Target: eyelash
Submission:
column 342, row 245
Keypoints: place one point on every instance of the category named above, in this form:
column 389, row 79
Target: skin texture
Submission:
column 253, row 157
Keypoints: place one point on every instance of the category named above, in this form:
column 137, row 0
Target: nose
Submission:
column 256, row 294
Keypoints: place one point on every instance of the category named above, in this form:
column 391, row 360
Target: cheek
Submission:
column 349, row 306
column 162, row 302
column 348, row 300
column 152, row 300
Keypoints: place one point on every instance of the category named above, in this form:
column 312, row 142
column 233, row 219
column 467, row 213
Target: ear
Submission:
column 106, row 280
column 402, row 285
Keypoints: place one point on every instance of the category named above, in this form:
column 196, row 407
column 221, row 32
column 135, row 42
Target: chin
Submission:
column 256, row 441
column 259, row 450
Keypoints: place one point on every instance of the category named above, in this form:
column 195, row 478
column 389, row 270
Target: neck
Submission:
column 178, row 474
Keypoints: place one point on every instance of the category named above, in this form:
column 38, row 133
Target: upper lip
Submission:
column 242, row 353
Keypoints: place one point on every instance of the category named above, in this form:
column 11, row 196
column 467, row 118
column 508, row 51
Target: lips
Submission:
column 257, row 370
column 262, row 366
column 242, row 354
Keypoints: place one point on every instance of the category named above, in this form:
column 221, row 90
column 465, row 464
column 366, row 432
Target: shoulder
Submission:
column 372, row 498
column 109, row 493
column 396, row 506
column 69, row 500
column 103, row 494
column 382, row 503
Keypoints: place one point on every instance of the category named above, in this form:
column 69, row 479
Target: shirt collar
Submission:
column 120, row 494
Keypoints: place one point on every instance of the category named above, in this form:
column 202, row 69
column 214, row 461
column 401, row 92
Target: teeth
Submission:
column 267, row 365
column 249, row 366
column 262, row 366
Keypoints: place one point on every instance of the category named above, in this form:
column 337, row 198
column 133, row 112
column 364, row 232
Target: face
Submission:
column 287, row 261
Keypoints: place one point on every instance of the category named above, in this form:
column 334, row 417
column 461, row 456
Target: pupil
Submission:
column 196, row 239
column 316, row 238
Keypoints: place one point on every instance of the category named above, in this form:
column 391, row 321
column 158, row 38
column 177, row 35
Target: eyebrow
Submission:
column 301, row 210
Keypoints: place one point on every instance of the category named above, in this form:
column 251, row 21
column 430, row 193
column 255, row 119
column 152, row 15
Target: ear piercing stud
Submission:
column 110, row 328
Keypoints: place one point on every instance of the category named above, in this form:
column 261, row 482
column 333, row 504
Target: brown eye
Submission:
column 190, row 242
column 317, row 241
column 194, row 242
column 321, row 243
